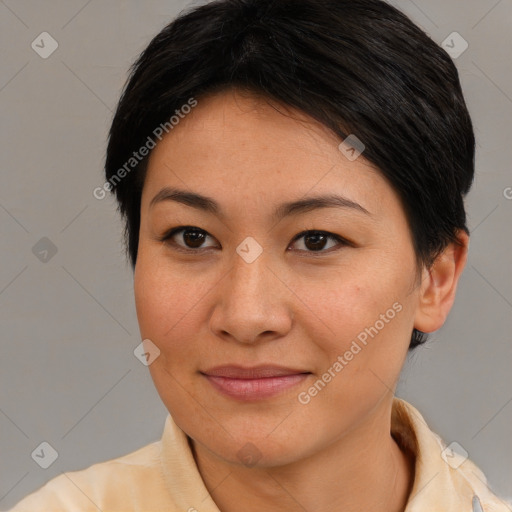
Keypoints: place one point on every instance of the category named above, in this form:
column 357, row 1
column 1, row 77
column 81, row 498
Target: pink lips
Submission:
column 253, row 383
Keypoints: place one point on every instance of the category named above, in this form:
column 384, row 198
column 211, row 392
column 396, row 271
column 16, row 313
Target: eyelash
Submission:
column 166, row 238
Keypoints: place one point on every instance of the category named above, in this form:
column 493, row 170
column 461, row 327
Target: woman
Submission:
column 292, row 177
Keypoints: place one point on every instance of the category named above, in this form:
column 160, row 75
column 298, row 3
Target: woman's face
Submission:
column 245, row 288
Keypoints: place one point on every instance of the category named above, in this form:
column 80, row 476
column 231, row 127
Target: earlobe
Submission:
column 439, row 284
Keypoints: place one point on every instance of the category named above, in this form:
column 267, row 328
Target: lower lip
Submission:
column 255, row 389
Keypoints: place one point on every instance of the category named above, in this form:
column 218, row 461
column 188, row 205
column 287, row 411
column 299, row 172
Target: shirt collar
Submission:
column 444, row 479
column 182, row 476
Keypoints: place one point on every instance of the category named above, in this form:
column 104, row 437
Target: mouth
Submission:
column 256, row 383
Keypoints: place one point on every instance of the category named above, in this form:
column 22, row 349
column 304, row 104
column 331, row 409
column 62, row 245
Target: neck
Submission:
column 363, row 470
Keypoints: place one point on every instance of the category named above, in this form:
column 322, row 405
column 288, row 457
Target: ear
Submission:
column 439, row 284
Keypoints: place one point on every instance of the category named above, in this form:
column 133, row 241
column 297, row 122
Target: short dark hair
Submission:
column 357, row 66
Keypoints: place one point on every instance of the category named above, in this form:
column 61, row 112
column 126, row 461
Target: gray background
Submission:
column 67, row 369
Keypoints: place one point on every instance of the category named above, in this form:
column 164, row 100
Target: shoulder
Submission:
column 101, row 486
column 470, row 479
column 444, row 479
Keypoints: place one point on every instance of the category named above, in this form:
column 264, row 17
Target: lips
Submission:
column 256, row 372
column 256, row 383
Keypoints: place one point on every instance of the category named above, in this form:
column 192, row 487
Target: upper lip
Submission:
column 253, row 372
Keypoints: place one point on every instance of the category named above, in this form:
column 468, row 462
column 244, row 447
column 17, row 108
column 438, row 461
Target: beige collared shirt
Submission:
column 163, row 476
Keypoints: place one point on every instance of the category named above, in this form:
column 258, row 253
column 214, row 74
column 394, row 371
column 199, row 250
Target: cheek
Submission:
column 353, row 300
column 367, row 316
column 164, row 298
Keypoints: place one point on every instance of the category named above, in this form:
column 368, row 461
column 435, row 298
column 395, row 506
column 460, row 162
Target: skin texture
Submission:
column 292, row 306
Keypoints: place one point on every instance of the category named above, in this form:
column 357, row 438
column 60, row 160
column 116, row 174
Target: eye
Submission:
column 317, row 241
column 191, row 237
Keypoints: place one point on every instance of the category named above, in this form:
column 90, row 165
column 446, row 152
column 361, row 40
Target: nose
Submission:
column 252, row 303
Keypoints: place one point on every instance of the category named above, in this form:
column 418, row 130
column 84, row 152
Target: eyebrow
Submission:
column 209, row 205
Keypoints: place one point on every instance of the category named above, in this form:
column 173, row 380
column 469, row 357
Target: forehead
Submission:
column 243, row 121
column 240, row 147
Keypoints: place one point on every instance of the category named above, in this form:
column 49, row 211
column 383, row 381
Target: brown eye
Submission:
column 193, row 238
column 187, row 237
column 317, row 241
